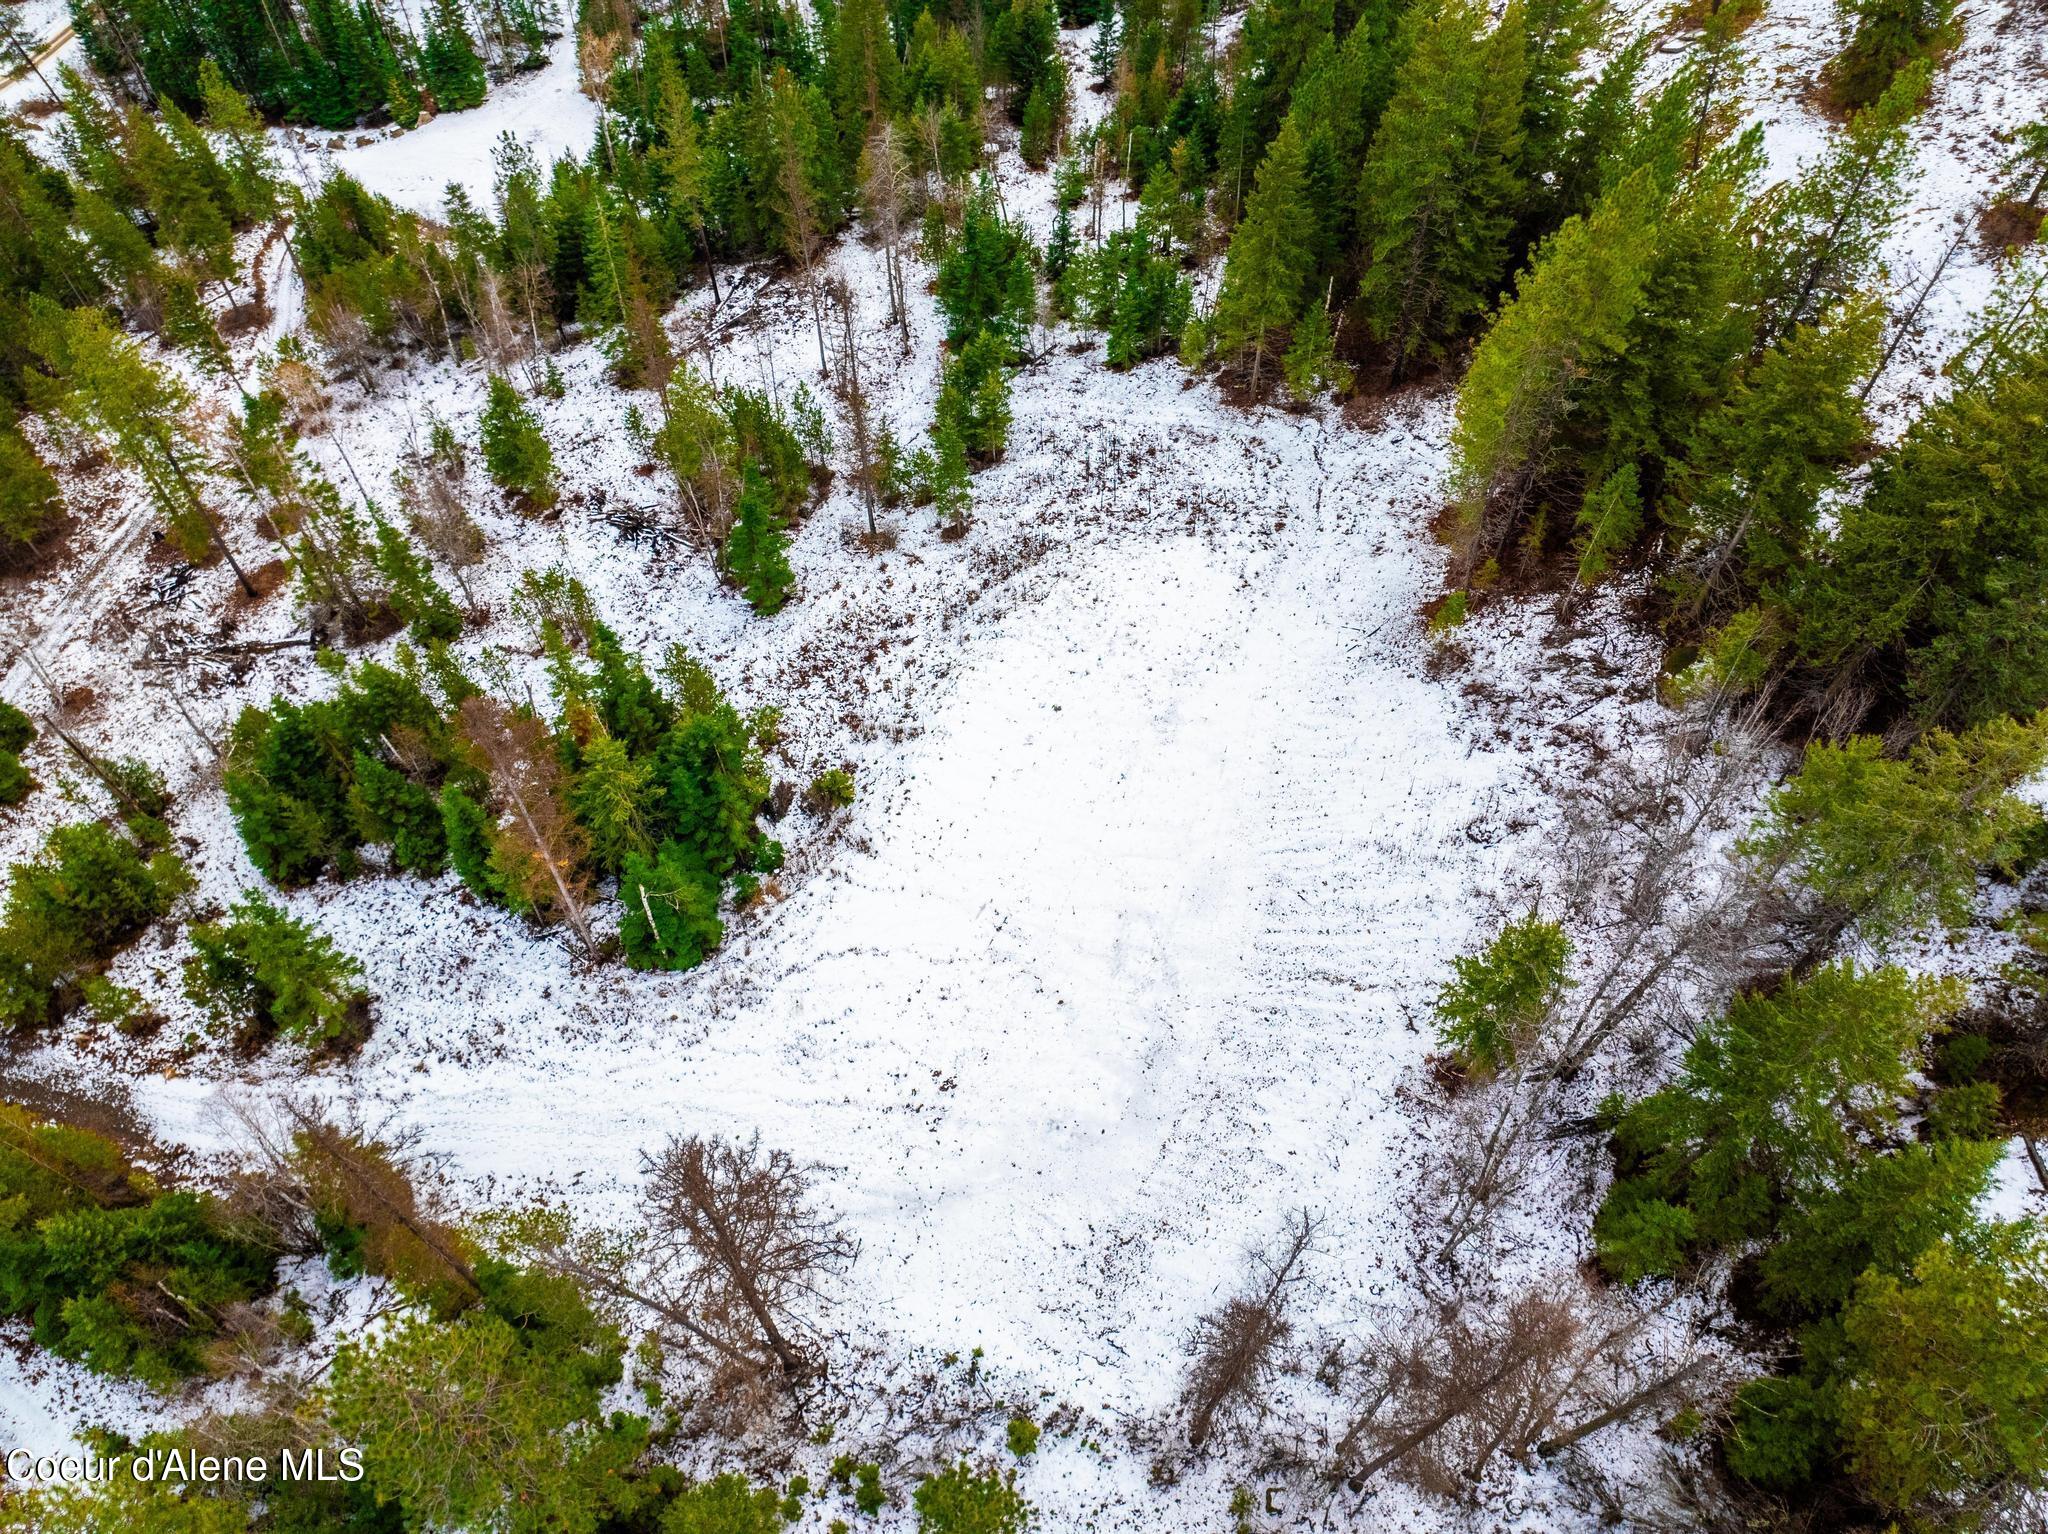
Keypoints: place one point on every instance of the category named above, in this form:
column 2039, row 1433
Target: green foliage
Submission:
column 88, row 894
column 830, row 790
column 1936, row 581
column 1895, row 844
column 985, row 281
column 1888, row 34
column 726, row 1504
column 1946, row 1393
column 89, row 1246
column 1271, row 257
column 1757, row 1113
column 1784, row 1432
column 420, row 601
column 757, row 549
column 959, row 1501
column 1966, row 1111
column 1441, row 182
column 669, row 918
column 1638, row 1235
column 1311, row 366
column 515, row 452
column 1884, row 1213
column 268, row 973
column 292, row 785
column 1571, row 311
column 30, row 501
column 449, row 66
column 974, row 399
column 1758, row 466
column 1501, row 997
column 1022, row 1437
column 495, row 1418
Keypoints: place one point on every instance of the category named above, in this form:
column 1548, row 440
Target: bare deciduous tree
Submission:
column 1451, row 1389
column 737, row 1245
column 1234, row 1350
column 885, row 197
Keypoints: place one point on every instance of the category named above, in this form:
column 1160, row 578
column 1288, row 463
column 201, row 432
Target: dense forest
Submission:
column 1721, row 1128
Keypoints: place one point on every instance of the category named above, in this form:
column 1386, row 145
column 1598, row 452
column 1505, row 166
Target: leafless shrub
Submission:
column 1538, row 1373
column 1234, row 1350
column 736, row 1245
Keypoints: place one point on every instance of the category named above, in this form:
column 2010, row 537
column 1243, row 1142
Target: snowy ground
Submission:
column 1166, row 833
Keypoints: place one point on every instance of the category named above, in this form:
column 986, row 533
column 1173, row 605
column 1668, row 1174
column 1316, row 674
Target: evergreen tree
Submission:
column 1936, row 584
column 1888, row 35
column 30, row 501
column 610, row 796
column 1311, row 364
column 268, row 972
column 1893, row 845
column 1441, row 183
column 515, row 452
column 255, row 191
column 669, row 909
column 985, row 280
column 496, row 1418
column 1023, row 47
column 1882, row 1215
column 974, row 398
column 81, row 900
column 1501, row 997
column 1764, row 1106
column 388, row 807
column 1570, row 309
column 427, row 610
column 104, row 386
column 1822, row 235
column 1946, row 1394
column 449, row 66
column 1758, row 466
column 756, row 550
column 1270, row 257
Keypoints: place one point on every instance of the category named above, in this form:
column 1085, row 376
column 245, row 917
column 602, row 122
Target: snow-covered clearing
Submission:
column 1167, row 828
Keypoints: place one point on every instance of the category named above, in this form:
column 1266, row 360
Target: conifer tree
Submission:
column 1893, row 845
column 865, row 72
column 1823, row 233
column 1759, row 464
column 427, row 610
column 974, row 398
column 268, row 972
column 1570, row 309
column 30, row 501
column 254, row 189
column 390, row 809
column 1945, row 1393
column 951, row 491
column 1757, row 1112
column 610, row 796
column 669, row 909
column 756, row 551
column 1311, row 364
column 1888, row 35
column 515, row 452
column 985, row 281
column 449, row 66
column 1937, row 583
column 103, row 386
column 1441, row 184
column 1270, row 259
